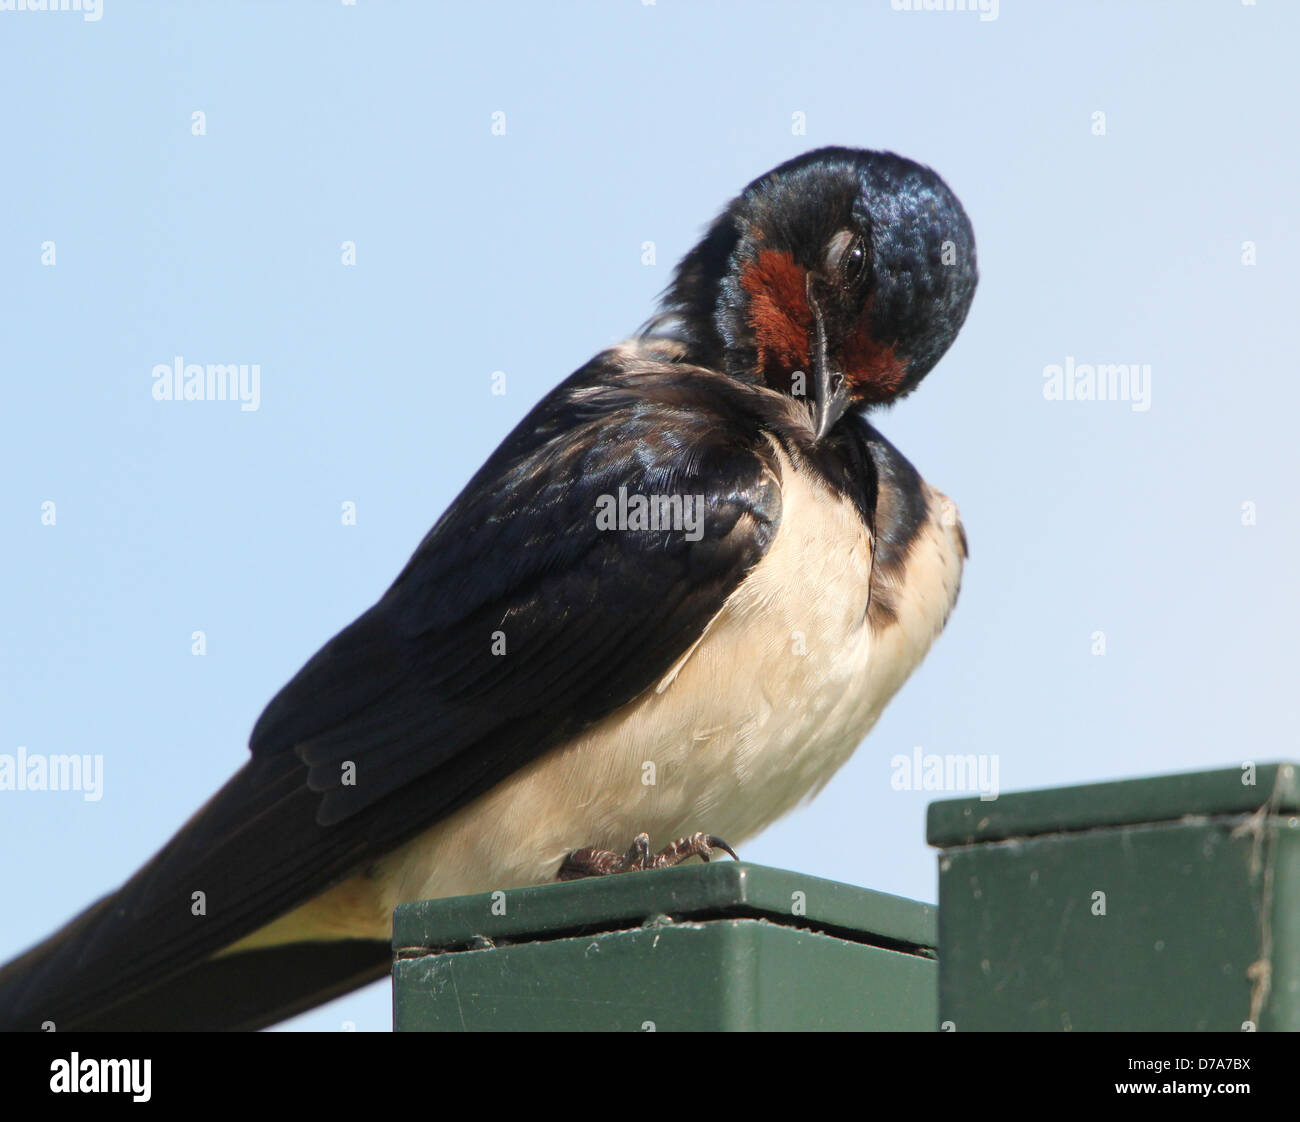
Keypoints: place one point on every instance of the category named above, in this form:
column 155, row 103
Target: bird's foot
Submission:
column 592, row 862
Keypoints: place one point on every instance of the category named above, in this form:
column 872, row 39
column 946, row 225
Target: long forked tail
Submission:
column 246, row 990
column 140, row 958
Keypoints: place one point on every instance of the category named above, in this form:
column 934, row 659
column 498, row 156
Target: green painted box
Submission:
column 1170, row 903
column 722, row 946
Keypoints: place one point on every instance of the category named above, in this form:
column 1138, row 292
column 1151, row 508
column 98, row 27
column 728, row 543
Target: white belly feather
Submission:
column 785, row 683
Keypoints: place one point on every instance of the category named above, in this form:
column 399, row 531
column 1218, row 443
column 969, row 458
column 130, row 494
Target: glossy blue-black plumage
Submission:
column 412, row 696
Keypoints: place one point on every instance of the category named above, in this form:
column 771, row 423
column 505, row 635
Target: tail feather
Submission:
column 256, row 851
column 243, row 991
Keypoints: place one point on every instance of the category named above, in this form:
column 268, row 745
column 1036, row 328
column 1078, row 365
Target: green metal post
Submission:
column 700, row 947
column 1168, row 903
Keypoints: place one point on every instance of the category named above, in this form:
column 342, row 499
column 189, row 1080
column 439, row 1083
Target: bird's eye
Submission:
column 853, row 261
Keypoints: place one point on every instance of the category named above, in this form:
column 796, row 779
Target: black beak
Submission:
column 830, row 393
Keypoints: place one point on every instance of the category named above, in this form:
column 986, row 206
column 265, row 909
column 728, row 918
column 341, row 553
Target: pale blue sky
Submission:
column 625, row 123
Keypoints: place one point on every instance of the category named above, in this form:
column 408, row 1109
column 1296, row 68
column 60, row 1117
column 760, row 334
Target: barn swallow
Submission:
column 664, row 612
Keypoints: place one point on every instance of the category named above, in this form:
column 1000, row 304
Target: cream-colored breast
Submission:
column 780, row 690
column 784, row 684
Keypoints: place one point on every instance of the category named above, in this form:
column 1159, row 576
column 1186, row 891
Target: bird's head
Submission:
column 841, row 276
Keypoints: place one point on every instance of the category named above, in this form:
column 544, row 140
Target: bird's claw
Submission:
column 593, row 862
